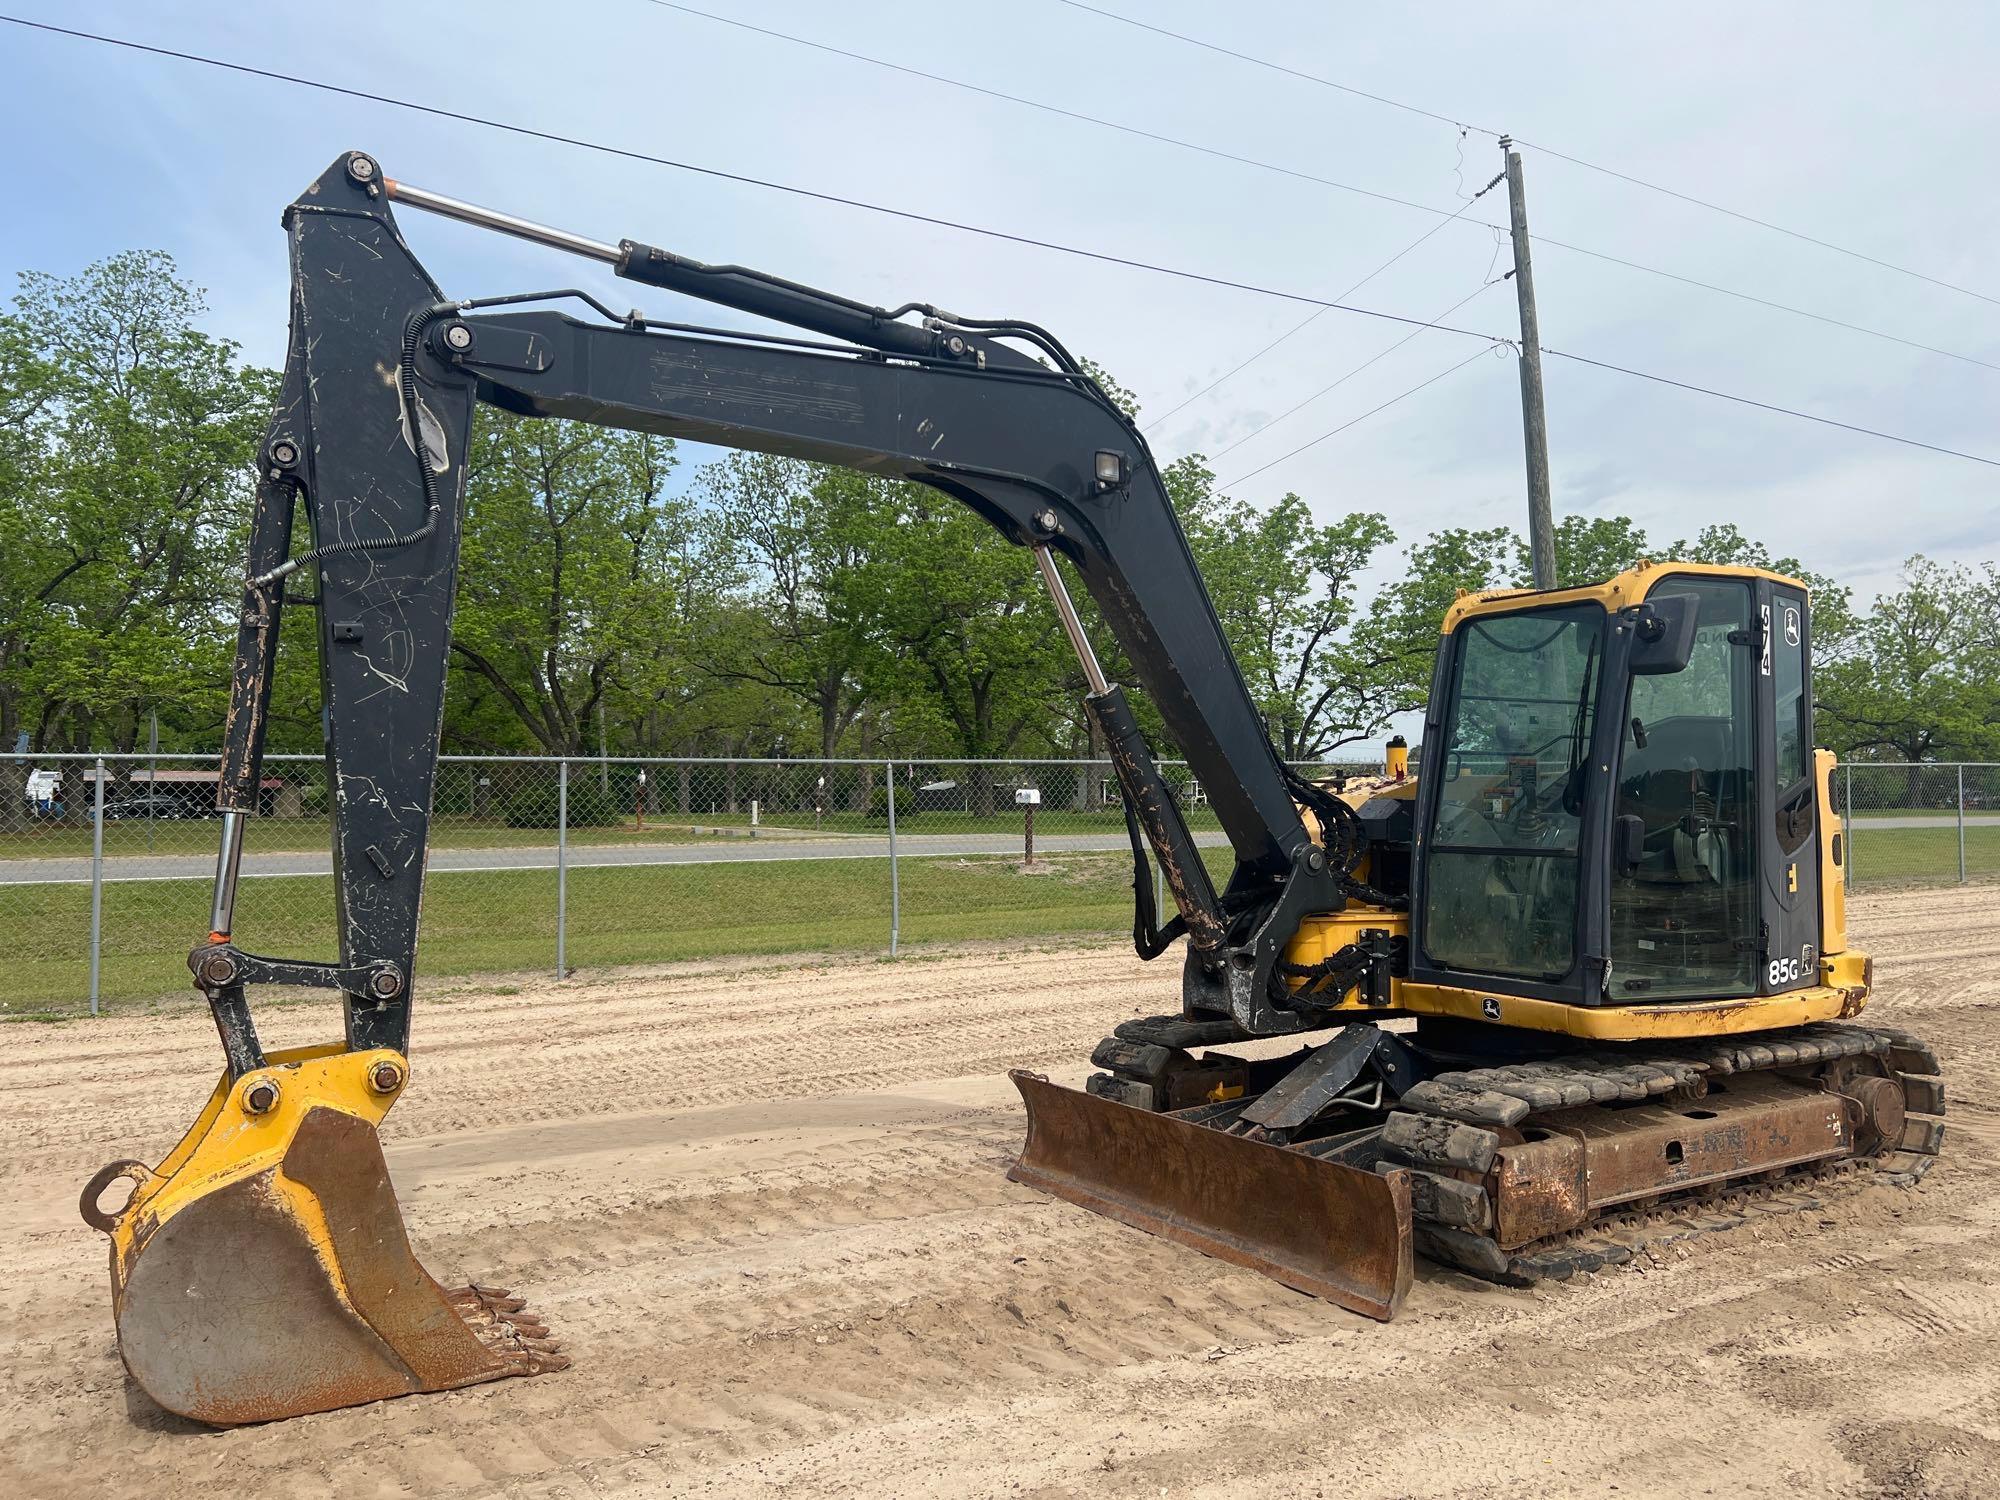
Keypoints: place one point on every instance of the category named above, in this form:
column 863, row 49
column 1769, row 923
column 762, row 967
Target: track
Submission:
column 764, row 1209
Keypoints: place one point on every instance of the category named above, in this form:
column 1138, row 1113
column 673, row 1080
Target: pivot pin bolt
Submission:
column 260, row 1098
column 385, row 1078
column 218, row 969
column 458, row 337
column 385, row 984
column 361, row 168
column 284, row 453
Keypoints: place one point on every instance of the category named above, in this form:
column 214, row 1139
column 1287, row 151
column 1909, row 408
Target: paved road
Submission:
column 581, row 856
column 76, row 871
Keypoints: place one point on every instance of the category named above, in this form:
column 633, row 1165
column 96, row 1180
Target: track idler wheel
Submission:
column 262, row 1270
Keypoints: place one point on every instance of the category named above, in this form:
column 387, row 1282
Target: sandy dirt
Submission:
column 764, row 1209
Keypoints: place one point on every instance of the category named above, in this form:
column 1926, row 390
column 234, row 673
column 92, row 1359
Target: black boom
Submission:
column 371, row 431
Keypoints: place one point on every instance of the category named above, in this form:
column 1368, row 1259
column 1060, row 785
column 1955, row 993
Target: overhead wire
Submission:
column 1342, row 380
column 912, row 216
column 1578, row 161
column 1353, row 421
column 721, row 174
column 1313, row 316
column 929, row 75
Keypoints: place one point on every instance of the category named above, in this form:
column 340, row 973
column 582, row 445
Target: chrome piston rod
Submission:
column 487, row 218
column 228, row 861
column 1093, row 673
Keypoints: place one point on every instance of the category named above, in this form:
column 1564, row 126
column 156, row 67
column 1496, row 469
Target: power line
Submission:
column 1804, row 416
column 1335, row 432
column 911, row 216
column 1314, row 315
column 1797, row 312
column 927, row 75
column 626, row 153
column 1342, row 380
column 1655, row 187
column 1601, row 364
column 1264, row 62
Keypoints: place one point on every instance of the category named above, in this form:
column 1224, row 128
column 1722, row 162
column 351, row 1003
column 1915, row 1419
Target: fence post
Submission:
column 895, row 886
column 1961, row 823
column 97, row 885
column 1847, row 830
column 562, row 867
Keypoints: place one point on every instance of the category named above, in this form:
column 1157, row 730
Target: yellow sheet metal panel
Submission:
column 1322, row 935
column 1633, row 1023
column 1832, row 871
column 1614, row 594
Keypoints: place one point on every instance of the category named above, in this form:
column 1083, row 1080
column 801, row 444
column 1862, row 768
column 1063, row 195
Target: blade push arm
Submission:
column 371, row 434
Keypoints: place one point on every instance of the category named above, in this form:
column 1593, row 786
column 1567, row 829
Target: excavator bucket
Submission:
column 1322, row 1227
column 262, row 1271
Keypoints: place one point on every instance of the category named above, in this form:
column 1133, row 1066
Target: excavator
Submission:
column 1581, row 987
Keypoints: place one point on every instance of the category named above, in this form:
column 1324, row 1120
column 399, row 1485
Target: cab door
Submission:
column 1791, row 834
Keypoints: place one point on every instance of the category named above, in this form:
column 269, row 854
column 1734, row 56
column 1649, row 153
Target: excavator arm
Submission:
column 372, row 434
column 262, row 1269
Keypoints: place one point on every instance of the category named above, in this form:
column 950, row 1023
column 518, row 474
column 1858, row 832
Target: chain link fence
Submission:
column 106, row 862
column 1919, row 822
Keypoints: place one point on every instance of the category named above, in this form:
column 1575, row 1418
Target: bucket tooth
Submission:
column 1322, row 1227
column 262, row 1270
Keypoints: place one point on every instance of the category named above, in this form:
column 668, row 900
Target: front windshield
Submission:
column 1501, row 881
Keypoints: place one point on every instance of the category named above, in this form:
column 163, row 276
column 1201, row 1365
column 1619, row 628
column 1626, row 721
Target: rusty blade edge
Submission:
column 1377, row 1296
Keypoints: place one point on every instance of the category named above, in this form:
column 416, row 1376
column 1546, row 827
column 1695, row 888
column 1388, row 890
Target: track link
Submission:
column 1449, row 1130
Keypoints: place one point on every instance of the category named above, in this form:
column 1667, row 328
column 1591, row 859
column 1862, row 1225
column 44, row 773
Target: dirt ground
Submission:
column 763, row 1207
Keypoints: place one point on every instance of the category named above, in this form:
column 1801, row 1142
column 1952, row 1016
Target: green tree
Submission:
column 1833, row 621
column 1589, row 549
column 1283, row 587
column 126, row 439
column 1395, row 644
column 973, row 654
column 1920, row 680
column 798, row 536
column 569, row 566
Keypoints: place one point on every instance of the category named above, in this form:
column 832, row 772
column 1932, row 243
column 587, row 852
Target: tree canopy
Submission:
column 756, row 605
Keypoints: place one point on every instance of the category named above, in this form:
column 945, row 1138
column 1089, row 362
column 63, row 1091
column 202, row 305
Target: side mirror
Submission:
column 1628, row 840
column 1663, row 635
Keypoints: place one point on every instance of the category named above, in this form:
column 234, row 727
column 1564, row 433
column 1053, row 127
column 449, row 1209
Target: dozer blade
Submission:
column 262, row 1271
column 1322, row 1227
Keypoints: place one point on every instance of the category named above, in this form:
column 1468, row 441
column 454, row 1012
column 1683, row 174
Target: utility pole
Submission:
column 1534, row 421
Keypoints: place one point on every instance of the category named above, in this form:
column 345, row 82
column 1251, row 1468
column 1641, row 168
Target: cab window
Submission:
column 1788, row 665
column 1500, row 892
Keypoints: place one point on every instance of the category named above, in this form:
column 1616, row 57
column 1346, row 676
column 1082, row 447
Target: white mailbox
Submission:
column 1027, row 796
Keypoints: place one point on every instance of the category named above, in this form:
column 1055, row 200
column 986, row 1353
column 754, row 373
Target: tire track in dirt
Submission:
column 765, row 1208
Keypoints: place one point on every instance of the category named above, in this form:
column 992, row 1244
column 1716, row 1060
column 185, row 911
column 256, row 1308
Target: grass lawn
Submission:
column 497, row 921
column 1921, row 853
column 500, row 921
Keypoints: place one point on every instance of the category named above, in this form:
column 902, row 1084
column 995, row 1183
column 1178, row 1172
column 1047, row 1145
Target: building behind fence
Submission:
column 105, row 862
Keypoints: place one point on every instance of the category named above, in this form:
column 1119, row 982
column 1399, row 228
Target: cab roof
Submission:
column 1614, row 594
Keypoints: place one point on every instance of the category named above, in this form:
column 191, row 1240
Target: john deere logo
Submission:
column 1490, row 1008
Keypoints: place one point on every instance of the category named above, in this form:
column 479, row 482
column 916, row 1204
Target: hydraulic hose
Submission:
column 406, row 386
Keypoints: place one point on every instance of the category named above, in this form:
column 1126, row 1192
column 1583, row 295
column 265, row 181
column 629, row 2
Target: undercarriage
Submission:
column 1519, row 1159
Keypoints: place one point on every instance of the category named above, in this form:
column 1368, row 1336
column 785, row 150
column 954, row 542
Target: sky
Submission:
column 1868, row 126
